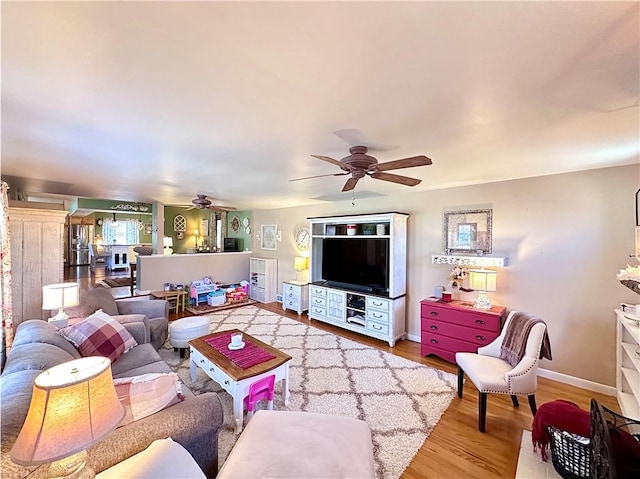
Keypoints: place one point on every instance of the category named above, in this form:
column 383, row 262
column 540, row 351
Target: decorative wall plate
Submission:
column 235, row 224
column 245, row 222
column 247, row 230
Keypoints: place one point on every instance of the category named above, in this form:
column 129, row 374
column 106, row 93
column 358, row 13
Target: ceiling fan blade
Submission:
column 328, row 159
column 220, row 207
column 403, row 180
column 350, row 184
column 410, row 162
column 320, row 176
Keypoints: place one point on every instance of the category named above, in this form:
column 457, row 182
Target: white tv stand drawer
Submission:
column 381, row 318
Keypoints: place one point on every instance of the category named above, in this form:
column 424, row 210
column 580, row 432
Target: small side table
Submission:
column 177, row 299
column 295, row 295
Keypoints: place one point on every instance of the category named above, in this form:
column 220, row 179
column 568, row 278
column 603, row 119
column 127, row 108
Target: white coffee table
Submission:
column 232, row 378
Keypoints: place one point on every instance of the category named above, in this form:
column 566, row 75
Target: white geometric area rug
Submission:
column 401, row 400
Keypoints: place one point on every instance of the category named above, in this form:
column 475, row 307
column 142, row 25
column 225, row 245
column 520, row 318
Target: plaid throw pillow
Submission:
column 99, row 335
column 146, row 394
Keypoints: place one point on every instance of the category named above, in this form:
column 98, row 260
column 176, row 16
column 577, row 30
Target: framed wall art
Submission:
column 268, row 237
column 467, row 231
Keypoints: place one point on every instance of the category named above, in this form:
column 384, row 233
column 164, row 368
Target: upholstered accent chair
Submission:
column 491, row 374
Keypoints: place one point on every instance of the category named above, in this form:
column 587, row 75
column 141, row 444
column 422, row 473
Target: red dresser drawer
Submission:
column 487, row 320
column 448, row 344
column 478, row 336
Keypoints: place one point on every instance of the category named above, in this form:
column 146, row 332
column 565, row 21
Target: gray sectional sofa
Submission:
column 37, row 346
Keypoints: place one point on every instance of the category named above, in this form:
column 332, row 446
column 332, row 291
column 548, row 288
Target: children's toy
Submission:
column 200, row 289
column 216, row 298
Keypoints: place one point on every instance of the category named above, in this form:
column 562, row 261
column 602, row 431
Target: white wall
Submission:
column 565, row 236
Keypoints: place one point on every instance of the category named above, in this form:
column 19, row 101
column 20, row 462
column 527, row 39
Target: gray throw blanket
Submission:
column 514, row 342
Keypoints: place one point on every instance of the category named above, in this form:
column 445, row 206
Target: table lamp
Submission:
column 167, row 243
column 482, row 280
column 59, row 296
column 74, row 405
column 299, row 264
column 195, row 233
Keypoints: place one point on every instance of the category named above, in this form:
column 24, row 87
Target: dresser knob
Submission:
column 480, row 337
column 434, row 327
column 433, row 313
column 479, row 321
column 434, row 341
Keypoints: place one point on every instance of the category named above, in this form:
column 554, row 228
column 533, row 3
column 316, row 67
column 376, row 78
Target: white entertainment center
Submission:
column 376, row 312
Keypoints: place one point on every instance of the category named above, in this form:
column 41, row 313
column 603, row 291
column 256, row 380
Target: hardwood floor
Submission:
column 455, row 448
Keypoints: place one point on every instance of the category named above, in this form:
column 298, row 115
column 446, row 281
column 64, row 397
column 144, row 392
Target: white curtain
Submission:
column 6, row 332
column 126, row 232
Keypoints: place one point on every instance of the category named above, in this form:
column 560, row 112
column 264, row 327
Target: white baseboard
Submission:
column 561, row 378
column 578, row 382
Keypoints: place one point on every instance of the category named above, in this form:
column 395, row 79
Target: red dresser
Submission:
column 456, row 326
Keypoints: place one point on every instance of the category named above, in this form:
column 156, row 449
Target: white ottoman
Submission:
column 184, row 330
column 294, row 444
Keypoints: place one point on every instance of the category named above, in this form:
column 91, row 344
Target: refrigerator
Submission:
column 79, row 238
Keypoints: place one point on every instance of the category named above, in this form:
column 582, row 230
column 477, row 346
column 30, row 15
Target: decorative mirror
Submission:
column 179, row 223
column 467, row 231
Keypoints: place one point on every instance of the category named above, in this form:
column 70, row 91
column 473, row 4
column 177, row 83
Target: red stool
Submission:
column 262, row 389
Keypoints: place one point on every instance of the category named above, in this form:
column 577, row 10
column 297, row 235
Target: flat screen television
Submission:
column 356, row 263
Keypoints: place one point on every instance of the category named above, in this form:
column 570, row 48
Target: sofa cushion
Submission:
column 138, row 358
column 100, row 335
column 146, row 394
column 93, row 300
column 38, row 331
column 37, row 356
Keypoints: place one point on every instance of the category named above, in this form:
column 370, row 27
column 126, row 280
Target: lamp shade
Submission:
column 300, row 263
column 167, row 241
column 482, row 280
column 195, row 232
column 73, row 406
column 61, row 295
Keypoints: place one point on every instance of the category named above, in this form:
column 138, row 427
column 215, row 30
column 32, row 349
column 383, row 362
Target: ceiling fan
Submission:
column 358, row 164
column 201, row 202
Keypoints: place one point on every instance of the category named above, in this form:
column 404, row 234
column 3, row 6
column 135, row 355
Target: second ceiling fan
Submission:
column 358, row 164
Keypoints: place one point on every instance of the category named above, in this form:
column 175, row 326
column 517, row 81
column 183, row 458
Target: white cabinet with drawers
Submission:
column 295, row 296
column 368, row 295
column 374, row 316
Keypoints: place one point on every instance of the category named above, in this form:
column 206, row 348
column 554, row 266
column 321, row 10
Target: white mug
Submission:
column 236, row 339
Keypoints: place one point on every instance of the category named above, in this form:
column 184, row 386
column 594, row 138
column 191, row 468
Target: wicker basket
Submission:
column 570, row 454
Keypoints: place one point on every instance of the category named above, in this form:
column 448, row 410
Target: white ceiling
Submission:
column 149, row 101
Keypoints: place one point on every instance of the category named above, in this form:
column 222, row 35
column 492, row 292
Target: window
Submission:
column 125, row 232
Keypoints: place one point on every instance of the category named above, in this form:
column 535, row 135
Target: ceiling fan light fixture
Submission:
column 359, row 164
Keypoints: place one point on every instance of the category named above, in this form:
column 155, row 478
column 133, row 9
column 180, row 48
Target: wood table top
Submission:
column 165, row 294
column 228, row 366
